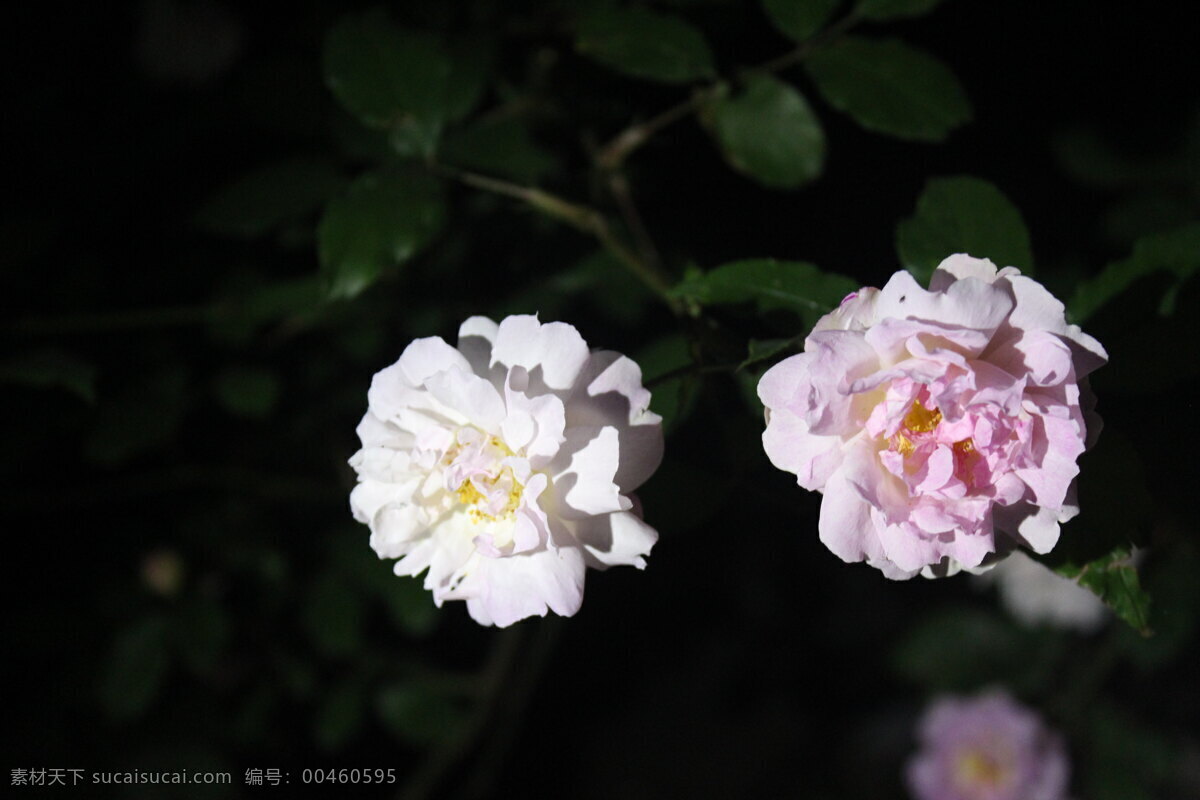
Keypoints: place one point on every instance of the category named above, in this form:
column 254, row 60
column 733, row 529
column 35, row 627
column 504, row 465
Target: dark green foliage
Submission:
column 644, row 44
column 891, row 87
column 962, row 215
column 768, row 131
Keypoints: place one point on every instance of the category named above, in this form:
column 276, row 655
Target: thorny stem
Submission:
column 581, row 217
column 625, row 143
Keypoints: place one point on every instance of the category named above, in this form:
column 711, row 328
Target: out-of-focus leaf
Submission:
column 340, row 714
column 249, row 392
column 333, row 616
column 792, row 285
column 962, row 214
column 384, row 219
column 893, row 9
column 385, row 75
column 644, row 44
column 1176, row 252
column 500, row 148
column 418, row 714
column 674, row 397
column 199, row 633
column 596, row 279
column 759, row 350
column 799, row 19
column 134, row 671
column 138, row 418
column 51, row 368
column 271, row 196
column 236, row 317
column 409, row 605
column 1087, row 158
column 962, row 649
column 1123, row 759
column 890, row 87
column 768, row 132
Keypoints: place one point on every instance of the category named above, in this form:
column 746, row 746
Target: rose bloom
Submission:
column 504, row 467
column 932, row 421
column 986, row 748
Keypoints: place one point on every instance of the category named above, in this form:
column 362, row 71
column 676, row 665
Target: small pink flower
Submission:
column 505, row 466
column 932, row 421
column 986, row 748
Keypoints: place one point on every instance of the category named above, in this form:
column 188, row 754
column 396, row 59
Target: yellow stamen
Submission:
column 469, row 495
column 921, row 419
column 976, row 768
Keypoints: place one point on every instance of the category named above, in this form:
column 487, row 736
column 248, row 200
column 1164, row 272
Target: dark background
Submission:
column 746, row 660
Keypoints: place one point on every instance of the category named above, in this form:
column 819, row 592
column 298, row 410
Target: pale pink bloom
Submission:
column 1036, row 595
column 504, row 467
column 942, row 426
column 986, row 748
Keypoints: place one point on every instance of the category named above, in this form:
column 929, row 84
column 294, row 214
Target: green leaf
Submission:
column 249, row 392
column 500, row 148
column 799, row 19
column 645, row 44
column 769, row 132
column 890, row 87
column 333, row 616
column 1116, row 514
column 340, row 714
column 1169, row 577
column 134, row 671
column 1176, row 252
column 1114, row 579
column 962, row 649
column 962, row 214
column 389, row 77
column 51, row 368
column 760, row 350
column 270, row 197
column 792, row 285
column 672, row 398
column 418, row 714
column 384, row 219
column 878, row 10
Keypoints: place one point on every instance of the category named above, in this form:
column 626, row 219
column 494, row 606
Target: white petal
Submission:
column 586, row 486
column 556, row 348
column 616, row 539
column 967, row 303
column 610, row 393
column 429, row 356
column 474, row 397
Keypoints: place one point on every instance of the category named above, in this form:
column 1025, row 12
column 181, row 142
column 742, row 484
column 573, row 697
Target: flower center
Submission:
column 976, row 769
column 482, row 505
column 918, row 420
column 478, row 475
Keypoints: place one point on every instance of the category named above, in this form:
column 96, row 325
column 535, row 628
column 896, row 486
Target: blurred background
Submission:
column 218, row 230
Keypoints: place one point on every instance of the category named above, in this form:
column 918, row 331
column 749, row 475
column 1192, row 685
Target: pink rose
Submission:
column 987, row 747
column 932, row 421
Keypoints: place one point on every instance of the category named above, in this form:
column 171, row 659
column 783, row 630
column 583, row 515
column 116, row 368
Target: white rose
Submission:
column 504, row 467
